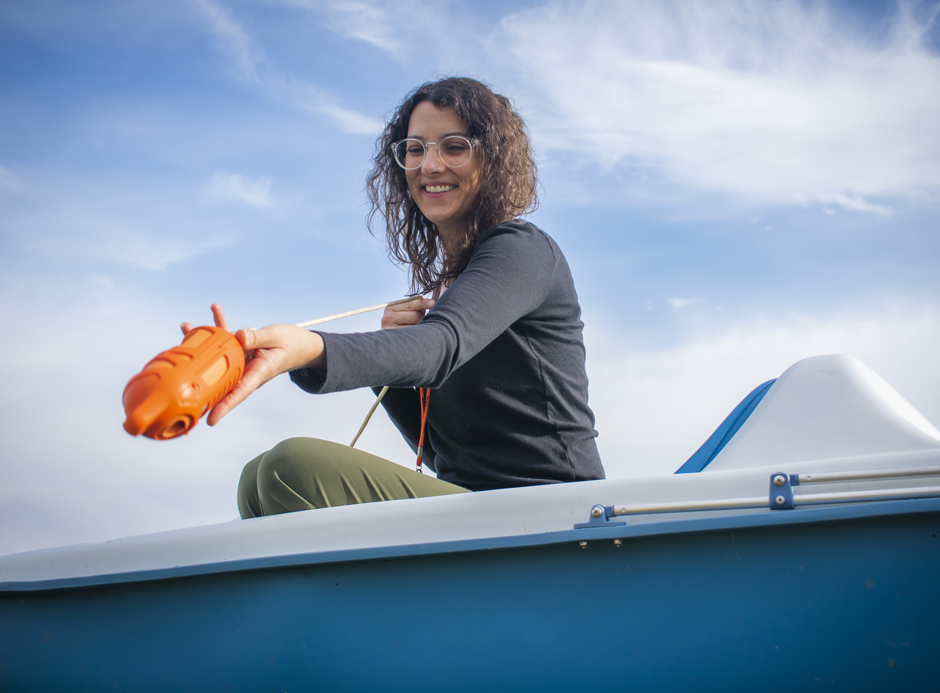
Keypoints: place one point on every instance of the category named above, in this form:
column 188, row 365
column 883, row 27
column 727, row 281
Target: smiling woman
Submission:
column 501, row 168
column 445, row 183
column 499, row 344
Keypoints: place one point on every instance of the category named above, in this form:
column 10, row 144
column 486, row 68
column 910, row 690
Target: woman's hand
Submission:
column 269, row 351
column 404, row 314
column 217, row 315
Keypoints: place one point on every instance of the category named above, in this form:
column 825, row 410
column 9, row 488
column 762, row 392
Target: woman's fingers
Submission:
column 404, row 314
column 258, row 371
column 219, row 316
column 277, row 349
column 270, row 351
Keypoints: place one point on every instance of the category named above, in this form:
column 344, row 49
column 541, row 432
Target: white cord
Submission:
column 369, row 416
column 349, row 314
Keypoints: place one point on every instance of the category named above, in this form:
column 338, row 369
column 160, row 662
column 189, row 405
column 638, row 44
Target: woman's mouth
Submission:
column 439, row 188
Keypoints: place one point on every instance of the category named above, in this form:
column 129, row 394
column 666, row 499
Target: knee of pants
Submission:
column 301, row 458
column 247, row 495
column 292, row 474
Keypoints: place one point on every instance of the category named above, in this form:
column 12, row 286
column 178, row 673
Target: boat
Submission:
column 798, row 548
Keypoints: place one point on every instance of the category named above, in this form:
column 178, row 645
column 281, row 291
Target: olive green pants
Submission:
column 307, row 473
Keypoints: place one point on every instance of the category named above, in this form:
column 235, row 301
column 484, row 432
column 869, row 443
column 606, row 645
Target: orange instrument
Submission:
column 176, row 388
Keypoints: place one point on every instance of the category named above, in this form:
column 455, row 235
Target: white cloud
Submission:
column 395, row 27
column 367, row 22
column 314, row 100
column 232, row 40
column 83, row 237
column 859, row 205
column 351, row 121
column 679, row 303
column 9, row 182
column 251, row 64
column 231, row 187
column 655, row 407
column 143, row 250
column 776, row 103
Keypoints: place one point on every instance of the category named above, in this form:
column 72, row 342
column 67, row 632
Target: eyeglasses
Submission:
column 455, row 151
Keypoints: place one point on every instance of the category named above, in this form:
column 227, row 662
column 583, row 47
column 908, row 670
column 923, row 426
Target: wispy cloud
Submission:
column 232, row 40
column 90, row 238
column 145, row 252
column 673, row 398
column 779, row 103
column 9, row 181
column 251, row 65
column 680, row 303
column 443, row 33
column 231, row 187
column 858, row 204
column 391, row 26
column 313, row 99
column 134, row 248
column 367, row 22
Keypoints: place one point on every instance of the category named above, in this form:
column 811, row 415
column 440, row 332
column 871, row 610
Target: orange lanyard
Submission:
column 424, row 394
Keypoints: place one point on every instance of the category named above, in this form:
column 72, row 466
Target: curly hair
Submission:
column 508, row 179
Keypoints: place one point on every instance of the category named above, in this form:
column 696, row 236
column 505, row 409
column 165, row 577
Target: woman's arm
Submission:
column 508, row 277
column 272, row 350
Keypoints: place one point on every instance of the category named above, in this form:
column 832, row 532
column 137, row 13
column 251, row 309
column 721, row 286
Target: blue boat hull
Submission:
column 848, row 600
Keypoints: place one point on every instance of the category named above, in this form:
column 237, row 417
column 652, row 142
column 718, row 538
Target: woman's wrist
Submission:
column 315, row 351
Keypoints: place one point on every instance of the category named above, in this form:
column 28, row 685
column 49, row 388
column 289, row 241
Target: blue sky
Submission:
column 737, row 185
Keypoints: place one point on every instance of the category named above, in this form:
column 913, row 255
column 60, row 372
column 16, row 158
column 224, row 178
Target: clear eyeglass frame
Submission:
column 441, row 153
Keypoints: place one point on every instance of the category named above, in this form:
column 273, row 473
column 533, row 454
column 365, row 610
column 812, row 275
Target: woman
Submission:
column 501, row 349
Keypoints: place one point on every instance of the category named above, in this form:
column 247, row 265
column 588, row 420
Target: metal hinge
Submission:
column 781, row 490
column 600, row 517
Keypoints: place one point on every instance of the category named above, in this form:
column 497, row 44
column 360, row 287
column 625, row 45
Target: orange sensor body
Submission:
column 176, row 388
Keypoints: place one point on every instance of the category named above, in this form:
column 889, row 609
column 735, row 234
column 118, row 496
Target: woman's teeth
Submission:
column 439, row 188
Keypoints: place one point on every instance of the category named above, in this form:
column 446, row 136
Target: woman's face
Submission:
column 445, row 195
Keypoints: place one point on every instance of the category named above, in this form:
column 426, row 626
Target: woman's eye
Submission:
column 455, row 147
column 414, row 150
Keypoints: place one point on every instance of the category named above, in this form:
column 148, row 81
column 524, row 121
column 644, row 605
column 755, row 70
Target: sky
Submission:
column 737, row 185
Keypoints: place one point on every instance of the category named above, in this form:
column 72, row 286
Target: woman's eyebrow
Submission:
column 446, row 134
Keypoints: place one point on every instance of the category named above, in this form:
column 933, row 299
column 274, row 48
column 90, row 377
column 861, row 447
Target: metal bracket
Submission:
column 781, row 490
column 600, row 517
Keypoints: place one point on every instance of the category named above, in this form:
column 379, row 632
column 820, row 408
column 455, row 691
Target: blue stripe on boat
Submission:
column 725, row 432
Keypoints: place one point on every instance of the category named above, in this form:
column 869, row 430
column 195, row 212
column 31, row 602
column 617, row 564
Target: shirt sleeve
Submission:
column 508, row 276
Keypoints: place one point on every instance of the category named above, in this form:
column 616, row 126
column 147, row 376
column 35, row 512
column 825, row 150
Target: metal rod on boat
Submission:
column 761, row 501
column 882, row 494
column 870, row 474
column 685, row 506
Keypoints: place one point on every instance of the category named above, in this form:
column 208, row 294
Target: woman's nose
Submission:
column 432, row 160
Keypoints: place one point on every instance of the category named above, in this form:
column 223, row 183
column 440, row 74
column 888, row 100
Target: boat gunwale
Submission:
column 580, row 538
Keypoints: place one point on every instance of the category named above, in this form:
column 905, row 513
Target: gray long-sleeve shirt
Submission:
column 503, row 353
